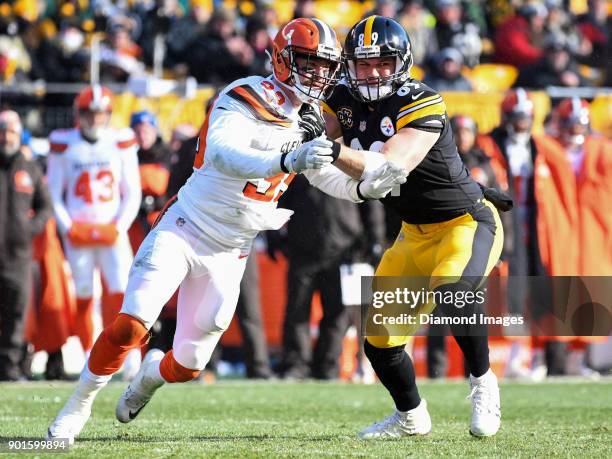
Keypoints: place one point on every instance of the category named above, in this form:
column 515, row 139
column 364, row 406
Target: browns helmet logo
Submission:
column 345, row 116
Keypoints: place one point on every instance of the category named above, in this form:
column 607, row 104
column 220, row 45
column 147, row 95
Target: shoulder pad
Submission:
column 59, row 140
column 250, row 96
column 340, row 96
column 125, row 138
column 416, row 103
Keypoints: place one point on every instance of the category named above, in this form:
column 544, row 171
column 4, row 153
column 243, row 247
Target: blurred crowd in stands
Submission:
column 551, row 43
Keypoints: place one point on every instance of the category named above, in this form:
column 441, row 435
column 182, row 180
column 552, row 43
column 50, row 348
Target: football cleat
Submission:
column 400, row 424
column 70, row 420
column 141, row 389
column 486, row 411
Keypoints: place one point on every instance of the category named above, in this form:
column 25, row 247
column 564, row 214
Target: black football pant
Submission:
column 304, row 279
column 15, row 286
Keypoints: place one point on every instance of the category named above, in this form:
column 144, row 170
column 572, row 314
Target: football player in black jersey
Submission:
column 450, row 234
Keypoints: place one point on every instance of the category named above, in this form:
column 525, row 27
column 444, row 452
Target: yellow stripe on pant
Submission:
column 431, row 255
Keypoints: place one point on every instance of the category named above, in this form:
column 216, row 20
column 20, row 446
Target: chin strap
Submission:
column 297, row 93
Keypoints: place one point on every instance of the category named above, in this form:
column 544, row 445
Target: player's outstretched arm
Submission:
column 409, row 146
column 353, row 163
column 233, row 154
column 406, row 149
column 376, row 183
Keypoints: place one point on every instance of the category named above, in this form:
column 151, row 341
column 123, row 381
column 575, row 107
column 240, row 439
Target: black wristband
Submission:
column 282, row 164
column 359, row 195
column 335, row 149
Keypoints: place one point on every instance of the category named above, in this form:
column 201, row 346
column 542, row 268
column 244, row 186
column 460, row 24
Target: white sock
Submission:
column 153, row 377
column 90, row 384
column 487, row 376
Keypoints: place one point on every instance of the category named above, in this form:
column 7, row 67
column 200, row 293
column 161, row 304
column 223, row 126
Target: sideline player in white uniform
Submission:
column 250, row 147
column 95, row 186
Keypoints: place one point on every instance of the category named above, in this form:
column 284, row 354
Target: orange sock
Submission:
column 83, row 323
column 113, row 344
column 111, row 305
column 172, row 371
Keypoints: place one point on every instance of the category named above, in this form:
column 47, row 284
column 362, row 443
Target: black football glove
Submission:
column 311, row 122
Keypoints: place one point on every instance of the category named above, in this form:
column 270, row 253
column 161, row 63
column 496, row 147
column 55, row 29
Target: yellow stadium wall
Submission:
column 172, row 110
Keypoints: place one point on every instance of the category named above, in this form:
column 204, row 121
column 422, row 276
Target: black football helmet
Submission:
column 375, row 37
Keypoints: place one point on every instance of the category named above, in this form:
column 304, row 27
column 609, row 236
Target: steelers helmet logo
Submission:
column 386, row 126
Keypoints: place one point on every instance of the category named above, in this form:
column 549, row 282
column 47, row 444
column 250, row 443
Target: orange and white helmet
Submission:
column 313, row 40
column 517, row 102
column 572, row 118
column 517, row 114
column 93, row 99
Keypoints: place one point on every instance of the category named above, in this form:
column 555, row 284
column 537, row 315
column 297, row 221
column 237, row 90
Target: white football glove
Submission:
column 315, row 154
column 378, row 183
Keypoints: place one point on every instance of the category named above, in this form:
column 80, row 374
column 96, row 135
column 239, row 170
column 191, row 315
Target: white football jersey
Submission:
column 250, row 118
column 94, row 182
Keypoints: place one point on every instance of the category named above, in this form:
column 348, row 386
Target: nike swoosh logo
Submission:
column 133, row 414
column 417, row 95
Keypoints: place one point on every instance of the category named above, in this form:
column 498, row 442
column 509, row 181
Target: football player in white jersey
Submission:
column 258, row 134
column 95, row 186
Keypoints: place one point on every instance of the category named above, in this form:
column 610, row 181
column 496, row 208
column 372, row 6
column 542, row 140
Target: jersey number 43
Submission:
column 102, row 182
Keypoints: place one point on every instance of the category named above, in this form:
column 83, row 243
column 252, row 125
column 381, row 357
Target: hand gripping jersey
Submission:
column 94, row 182
column 236, row 183
column 440, row 187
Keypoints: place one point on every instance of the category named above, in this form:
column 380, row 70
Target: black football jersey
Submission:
column 440, row 187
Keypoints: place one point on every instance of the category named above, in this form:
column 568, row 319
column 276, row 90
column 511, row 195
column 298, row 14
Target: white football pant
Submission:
column 176, row 253
column 113, row 261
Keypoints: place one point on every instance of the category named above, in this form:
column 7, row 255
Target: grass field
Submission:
column 245, row 419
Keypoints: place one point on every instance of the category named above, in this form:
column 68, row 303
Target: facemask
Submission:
column 375, row 92
column 521, row 138
column 92, row 133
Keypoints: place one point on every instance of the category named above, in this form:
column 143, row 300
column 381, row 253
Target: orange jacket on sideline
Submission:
column 574, row 217
column 51, row 311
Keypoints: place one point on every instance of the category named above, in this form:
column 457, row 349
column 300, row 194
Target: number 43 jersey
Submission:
column 95, row 182
column 440, row 187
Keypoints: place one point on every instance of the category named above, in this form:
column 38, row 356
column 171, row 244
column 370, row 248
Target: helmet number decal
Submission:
column 361, row 39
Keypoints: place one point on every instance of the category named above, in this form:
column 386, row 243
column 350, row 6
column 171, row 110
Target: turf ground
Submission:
column 245, row 419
